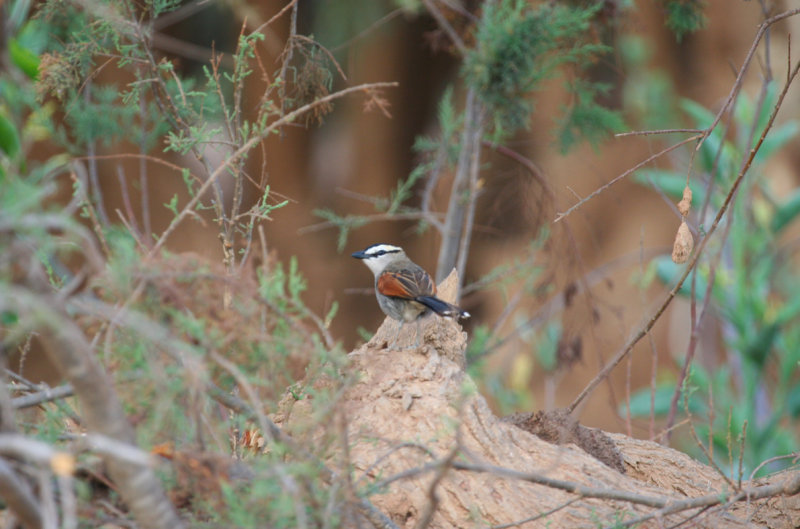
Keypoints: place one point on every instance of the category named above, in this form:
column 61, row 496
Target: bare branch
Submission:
column 459, row 194
column 788, row 487
column 40, row 397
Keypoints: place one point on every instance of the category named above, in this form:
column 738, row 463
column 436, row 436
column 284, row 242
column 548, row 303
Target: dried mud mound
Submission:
column 416, row 427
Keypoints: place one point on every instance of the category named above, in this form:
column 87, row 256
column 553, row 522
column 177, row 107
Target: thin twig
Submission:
column 535, row 517
column 326, row 51
column 445, row 25
column 276, row 16
column 527, row 163
column 287, row 54
column 604, row 187
column 377, row 217
column 374, row 26
column 392, row 451
column 185, row 11
column 131, row 230
column 706, row 451
column 189, row 50
column 96, row 199
column 660, row 131
column 793, row 455
column 131, row 223
column 742, row 442
column 691, row 517
column 248, row 389
column 146, row 157
column 90, row 208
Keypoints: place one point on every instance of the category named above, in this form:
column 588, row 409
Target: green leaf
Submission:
column 793, row 402
column 703, row 118
column 788, row 311
column 684, row 16
column 186, row 174
column 547, row 346
column 586, row 118
column 519, row 46
column 9, row 318
column 173, row 204
column 331, row 314
column 344, row 224
column 786, row 212
column 767, row 105
column 9, row 137
column 760, row 347
column 296, row 283
column 671, row 183
column 669, row 272
column 24, row 59
column 477, row 347
column 776, row 138
column 640, row 402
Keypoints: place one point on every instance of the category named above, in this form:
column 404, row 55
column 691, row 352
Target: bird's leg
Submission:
column 419, row 331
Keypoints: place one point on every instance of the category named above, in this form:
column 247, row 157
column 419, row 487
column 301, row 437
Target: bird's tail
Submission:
column 442, row 308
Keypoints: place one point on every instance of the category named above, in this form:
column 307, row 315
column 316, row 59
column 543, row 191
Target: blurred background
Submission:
column 551, row 301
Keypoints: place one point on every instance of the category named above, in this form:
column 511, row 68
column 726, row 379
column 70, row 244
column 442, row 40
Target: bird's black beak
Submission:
column 359, row 255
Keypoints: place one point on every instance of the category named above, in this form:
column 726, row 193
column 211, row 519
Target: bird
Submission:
column 405, row 291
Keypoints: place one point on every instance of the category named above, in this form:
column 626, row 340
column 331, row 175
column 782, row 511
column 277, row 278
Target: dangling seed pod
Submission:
column 686, row 202
column 684, row 242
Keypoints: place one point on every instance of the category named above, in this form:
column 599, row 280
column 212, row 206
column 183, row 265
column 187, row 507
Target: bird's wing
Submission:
column 406, row 284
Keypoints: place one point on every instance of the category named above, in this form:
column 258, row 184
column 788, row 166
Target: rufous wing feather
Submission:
column 406, row 284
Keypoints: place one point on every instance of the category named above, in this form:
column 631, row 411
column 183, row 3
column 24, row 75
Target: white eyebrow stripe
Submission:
column 386, row 248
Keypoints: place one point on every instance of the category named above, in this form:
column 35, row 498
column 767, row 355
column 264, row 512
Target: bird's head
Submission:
column 377, row 256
